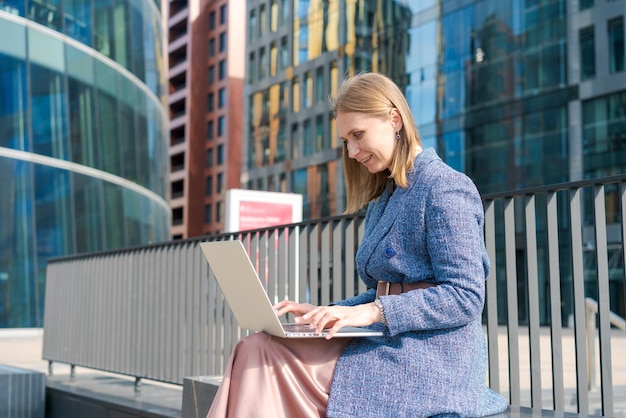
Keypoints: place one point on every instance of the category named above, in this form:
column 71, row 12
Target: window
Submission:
column 209, row 130
column 223, row 41
column 252, row 26
column 307, row 93
column 262, row 63
column 209, row 186
column 209, row 102
column 212, row 20
column 223, row 15
column 209, row 157
column 218, row 212
column 273, row 16
column 616, row 45
column 252, row 63
column 262, row 21
column 222, row 70
column 587, row 53
column 319, row 85
column 273, row 59
column 207, row 214
column 295, row 91
column 220, row 154
column 284, row 54
column 221, row 125
column 219, row 187
column 585, row 4
column 221, row 98
column 211, row 75
column 211, row 47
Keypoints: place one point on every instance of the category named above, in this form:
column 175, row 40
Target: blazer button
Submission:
column 390, row 252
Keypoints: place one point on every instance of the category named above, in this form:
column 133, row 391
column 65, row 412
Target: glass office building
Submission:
column 515, row 93
column 83, row 136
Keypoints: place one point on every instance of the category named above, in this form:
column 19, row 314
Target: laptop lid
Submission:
column 246, row 295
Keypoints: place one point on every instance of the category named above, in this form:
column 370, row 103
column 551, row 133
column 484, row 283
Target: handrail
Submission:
column 156, row 311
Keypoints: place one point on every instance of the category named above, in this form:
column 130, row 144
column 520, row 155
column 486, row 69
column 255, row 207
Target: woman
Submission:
column 423, row 259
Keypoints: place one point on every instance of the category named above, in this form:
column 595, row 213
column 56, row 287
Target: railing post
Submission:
column 590, row 320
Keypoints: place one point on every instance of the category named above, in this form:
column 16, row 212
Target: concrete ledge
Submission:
column 198, row 394
column 105, row 396
column 22, row 393
column 199, row 391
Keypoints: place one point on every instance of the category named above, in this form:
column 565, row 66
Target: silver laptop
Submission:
column 248, row 299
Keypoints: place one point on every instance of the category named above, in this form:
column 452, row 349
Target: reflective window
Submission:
column 263, row 64
column 208, row 218
column 222, row 70
column 585, row 4
column 219, row 187
column 262, row 21
column 587, row 53
column 274, row 15
column 308, row 142
column 223, row 43
column 604, row 135
column 616, row 45
column 221, row 101
column 221, row 126
column 252, row 26
column 211, row 48
column 209, row 186
column 209, row 157
column 212, row 20
column 307, row 93
column 220, row 154
column 223, row 14
column 273, row 59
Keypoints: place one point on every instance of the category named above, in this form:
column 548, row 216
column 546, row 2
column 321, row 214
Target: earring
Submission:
column 397, row 135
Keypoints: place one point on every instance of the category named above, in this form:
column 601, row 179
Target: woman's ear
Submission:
column 396, row 119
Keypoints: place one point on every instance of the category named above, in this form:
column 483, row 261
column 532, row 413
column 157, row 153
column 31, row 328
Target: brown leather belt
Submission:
column 393, row 288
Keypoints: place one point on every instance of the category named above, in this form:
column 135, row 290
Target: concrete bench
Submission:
column 22, row 393
column 198, row 393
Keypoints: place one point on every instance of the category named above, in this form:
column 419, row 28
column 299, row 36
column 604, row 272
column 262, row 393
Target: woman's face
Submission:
column 370, row 140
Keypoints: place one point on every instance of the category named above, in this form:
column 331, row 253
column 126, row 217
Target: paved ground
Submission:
column 23, row 347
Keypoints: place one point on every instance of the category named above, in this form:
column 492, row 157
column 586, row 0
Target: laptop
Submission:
column 248, row 299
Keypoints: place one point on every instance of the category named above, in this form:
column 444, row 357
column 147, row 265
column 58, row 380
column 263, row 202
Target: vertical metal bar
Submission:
column 556, row 336
column 282, row 266
column 325, row 264
column 272, row 258
column 293, row 270
column 304, row 286
column 603, row 301
column 360, row 233
column 314, row 263
column 511, row 296
column 533, row 303
column 491, row 298
column 579, row 301
column 348, row 251
column 622, row 192
column 337, row 264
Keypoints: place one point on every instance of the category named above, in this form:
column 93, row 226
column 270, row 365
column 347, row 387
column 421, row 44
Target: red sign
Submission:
column 254, row 215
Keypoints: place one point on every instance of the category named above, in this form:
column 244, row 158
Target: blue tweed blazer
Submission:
column 432, row 360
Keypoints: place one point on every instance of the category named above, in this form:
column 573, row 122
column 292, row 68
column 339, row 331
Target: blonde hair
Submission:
column 377, row 95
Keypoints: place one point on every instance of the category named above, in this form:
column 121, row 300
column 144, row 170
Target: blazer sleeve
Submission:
column 453, row 230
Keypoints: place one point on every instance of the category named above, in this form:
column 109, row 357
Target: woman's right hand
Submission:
column 297, row 309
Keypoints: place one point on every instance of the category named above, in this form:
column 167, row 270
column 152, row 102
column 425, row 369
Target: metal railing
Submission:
column 156, row 312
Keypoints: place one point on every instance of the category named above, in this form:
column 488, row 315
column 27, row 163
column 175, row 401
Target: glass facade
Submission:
column 83, row 136
column 496, row 86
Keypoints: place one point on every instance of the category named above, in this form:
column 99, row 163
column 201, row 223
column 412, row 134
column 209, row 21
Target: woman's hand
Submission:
column 330, row 317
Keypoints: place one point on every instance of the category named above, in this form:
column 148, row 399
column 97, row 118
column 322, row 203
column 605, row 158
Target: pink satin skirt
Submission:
column 270, row 376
